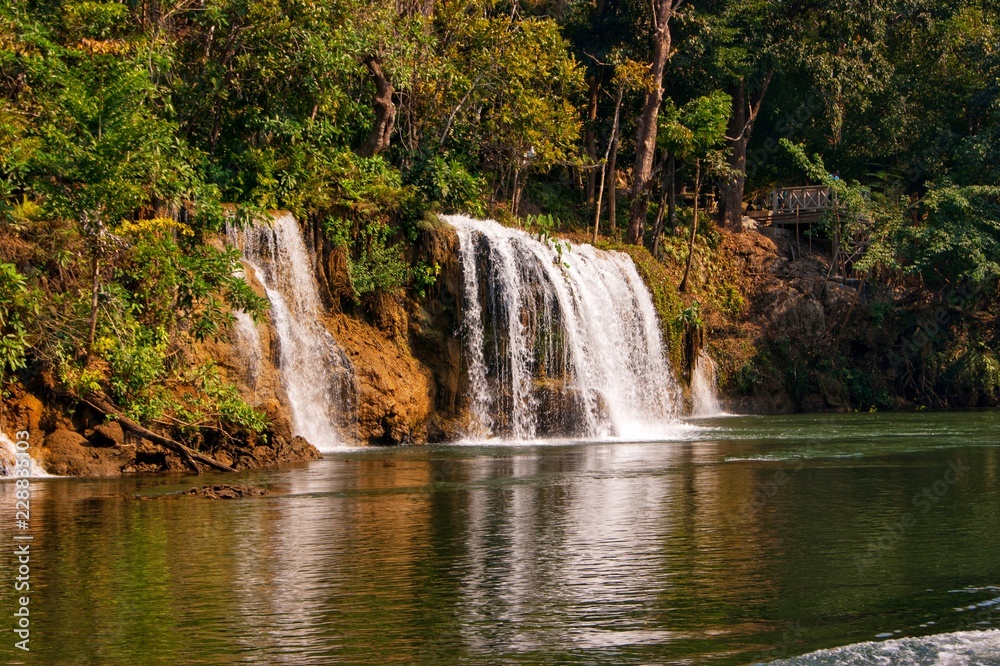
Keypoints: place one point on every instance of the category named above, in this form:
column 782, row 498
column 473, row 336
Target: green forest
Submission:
column 133, row 132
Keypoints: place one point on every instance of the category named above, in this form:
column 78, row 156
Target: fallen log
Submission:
column 190, row 457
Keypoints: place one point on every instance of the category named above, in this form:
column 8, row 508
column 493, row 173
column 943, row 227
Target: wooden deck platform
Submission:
column 796, row 206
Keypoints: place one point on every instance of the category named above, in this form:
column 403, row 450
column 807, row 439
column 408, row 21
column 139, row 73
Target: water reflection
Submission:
column 604, row 552
column 564, row 552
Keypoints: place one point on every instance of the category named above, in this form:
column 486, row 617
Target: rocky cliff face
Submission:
column 434, row 333
column 789, row 302
column 799, row 342
column 409, row 381
column 810, row 341
column 406, row 352
column 803, row 340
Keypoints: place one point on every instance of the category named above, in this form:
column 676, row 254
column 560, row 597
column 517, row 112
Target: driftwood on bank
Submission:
column 190, row 457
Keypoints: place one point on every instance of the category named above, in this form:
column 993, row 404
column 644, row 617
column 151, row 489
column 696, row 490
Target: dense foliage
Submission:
column 130, row 130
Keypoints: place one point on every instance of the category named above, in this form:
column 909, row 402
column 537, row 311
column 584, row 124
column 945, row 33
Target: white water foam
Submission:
column 704, row 388
column 669, row 432
column 246, row 340
column 316, row 373
column 962, row 648
column 8, row 460
column 580, row 323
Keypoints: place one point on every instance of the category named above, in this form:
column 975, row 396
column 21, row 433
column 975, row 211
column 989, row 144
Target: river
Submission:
column 745, row 540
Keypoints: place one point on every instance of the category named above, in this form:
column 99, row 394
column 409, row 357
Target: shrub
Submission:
column 378, row 266
column 448, row 182
column 17, row 306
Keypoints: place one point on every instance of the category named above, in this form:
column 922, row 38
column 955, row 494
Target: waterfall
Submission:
column 704, row 387
column 558, row 340
column 8, row 460
column 316, row 373
column 246, row 340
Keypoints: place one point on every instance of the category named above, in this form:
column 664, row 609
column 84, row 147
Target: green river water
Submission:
column 745, row 540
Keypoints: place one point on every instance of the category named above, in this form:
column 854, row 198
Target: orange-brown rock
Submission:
column 395, row 392
column 67, row 453
column 108, row 434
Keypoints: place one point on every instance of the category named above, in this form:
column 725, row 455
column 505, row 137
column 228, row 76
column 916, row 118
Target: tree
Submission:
column 607, row 172
column 646, row 125
column 629, row 75
column 741, row 41
column 959, row 241
column 694, row 132
column 103, row 154
column 385, row 110
column 103, row 182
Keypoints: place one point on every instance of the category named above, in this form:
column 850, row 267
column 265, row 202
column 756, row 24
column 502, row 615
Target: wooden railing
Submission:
column 809, row 199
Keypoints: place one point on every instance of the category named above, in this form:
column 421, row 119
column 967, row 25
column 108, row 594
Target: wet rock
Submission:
column 435, row 320
column 834, row 394
column 148, row 457
column 300, row 449
column 442, row 429
column 24, row 411
column 394, row 391
column 562, row 411
column 293, row 450
column 277, row 416
column 435, row 345
column 226, row 491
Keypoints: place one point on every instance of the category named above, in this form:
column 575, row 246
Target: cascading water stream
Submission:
column 316, row 374
column 8, row 460
column 704, row 387
column 246, row 339
column 546, row 328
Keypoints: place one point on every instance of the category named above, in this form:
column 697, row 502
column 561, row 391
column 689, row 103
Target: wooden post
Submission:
column 798, row 238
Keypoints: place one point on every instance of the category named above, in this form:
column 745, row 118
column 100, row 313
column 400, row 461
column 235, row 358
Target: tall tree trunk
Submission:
column 414, row 7
column 597, row 206
column 95, row 230
column 662, row 208
column 608, row 162
column 385, row 110
column 738, row 134
column 515, row 196
column 590, row 140
column 611, row 185
column 645, row 136
column 672, row 209
column 731, row 188
column 95, row 292
column 694, row 225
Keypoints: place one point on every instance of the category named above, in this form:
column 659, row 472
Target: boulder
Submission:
column 562, row 411
column 293, row 450
column 108, row 434
column 67, row 453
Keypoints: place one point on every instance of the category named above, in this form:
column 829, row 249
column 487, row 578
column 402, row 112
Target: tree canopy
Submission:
column 130, row 130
